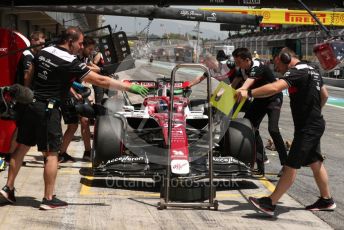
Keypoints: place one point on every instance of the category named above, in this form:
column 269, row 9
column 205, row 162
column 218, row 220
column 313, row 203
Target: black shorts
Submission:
column 305, row 148
column 69, row 114
column 20, row 111
column 41, row 128
column 257, row 111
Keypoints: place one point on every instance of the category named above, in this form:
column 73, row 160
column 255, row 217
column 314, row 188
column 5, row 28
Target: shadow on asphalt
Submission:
column 24, row 201
column 28, row 201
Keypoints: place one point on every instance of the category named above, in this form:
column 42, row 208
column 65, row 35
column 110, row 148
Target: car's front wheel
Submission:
column 239, row 141
column 108, row 139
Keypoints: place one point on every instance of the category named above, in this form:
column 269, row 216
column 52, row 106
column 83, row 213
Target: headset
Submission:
column 285, row 58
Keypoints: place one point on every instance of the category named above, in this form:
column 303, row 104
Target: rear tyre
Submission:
column 108, row 139
column 239, row 141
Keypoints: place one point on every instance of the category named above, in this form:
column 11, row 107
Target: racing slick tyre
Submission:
column 239, row 141
column 108, row 139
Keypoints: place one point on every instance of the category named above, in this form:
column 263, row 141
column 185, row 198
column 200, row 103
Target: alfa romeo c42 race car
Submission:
column 131, row 139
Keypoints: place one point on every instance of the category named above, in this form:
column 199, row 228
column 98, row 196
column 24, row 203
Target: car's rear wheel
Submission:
column 108, row 139
column 239, row 141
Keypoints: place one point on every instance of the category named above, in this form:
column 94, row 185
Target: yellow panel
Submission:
column 223, row 98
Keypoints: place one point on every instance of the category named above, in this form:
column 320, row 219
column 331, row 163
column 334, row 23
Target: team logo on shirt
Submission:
column 82, row 65
column 42, row 76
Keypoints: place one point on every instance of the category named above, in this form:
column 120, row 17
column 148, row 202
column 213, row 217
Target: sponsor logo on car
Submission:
column 178, row 153
column 180, row 166
column 225, row 160
column 125, row 159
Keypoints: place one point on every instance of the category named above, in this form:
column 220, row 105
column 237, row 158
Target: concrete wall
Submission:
column 50, row 23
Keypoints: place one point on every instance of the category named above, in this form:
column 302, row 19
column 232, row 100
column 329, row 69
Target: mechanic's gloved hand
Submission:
column 178, row 91
column 186, row 84
column 138, row 89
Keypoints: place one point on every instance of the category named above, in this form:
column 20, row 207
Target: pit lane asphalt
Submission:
column 111, row 203
column 304, row 189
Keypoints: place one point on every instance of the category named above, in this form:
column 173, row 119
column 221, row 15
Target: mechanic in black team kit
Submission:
column 55, row 70
column 71, row 118
column 256, row 74
column 24, row 65
column 23, row 75
column 307, row 97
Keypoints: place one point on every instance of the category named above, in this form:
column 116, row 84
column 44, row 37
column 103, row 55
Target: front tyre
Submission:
column 108, row 139
column 239, row 141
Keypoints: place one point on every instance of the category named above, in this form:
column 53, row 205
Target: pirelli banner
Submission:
column 291, row 17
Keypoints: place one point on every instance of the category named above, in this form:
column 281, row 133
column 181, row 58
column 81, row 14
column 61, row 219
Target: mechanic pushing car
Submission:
column 256, row 74
column 219, row 70
column 56, row 67
column 307, row 97
column 71, row 117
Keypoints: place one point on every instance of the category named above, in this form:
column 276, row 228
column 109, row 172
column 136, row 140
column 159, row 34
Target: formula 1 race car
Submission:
column 131, row 139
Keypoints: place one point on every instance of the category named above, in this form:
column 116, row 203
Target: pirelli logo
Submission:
column 291, row 17
column 303, row 17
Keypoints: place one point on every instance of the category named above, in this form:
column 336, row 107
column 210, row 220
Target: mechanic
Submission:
column 25, row 63
column 255, row 54
column 71, row 118
column 221, row 56
column 222, row 70
column 98, row 60
column 228, row 65
column 256, row 74
column 218, row 70
column 23, row 77
column 56, row 67
column 307, row 97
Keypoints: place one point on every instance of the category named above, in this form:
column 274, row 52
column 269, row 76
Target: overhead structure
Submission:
column 152, row 12
column 259, row 3
column 27, row 21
